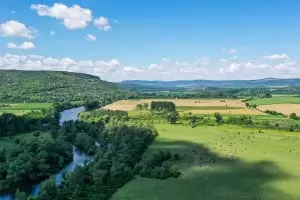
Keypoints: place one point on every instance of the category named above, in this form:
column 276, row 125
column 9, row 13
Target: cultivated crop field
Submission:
column 195, row 106
column 284, row 104
column 23, row 108
column 223, row 162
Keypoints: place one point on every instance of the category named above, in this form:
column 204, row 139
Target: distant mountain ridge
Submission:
column 266, row 82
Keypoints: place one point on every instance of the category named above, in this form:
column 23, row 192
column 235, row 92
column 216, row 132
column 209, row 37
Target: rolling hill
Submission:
column 49, row 86
column 267, row 82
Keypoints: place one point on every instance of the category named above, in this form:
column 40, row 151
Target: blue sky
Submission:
column 153, row 39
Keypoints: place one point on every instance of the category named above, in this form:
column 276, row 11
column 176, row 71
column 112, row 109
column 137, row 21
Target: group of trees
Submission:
column 83, row 135
column 90, row 105
column 122, row 147
column 11, row 124
column 156, row 165
column 5, row 106
column 31, row 161
column 164, row 106
column 103, row 115
column 294, row 116
column 143, row 106
column 272, row 112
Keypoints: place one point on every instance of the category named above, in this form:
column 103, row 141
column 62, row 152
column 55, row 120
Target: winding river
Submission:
column 79, row 158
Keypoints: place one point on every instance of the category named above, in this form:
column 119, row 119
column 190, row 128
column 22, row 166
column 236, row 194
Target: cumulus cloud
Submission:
column 155, row 67
column 233, row 67
column 132, row 69
column 14, row 28
column 251, row 65
column 230, row 51
column 23, row 45
column 102, row 23
column 73, row 17
column 90, row 37
column 202, row 61
column 277, row 57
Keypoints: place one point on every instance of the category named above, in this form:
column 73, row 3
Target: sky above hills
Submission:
column 153, row 39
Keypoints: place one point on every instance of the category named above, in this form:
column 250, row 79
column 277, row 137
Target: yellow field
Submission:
column 197, row 106
column 286, row 109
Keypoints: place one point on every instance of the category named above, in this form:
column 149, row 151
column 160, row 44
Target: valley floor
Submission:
column 223, row 162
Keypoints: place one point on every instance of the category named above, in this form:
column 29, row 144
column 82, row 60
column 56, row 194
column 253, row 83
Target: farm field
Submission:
column 23, row 108
column 195, row 106
column 285, row 109
column 7, row 141
column 276, row 100
column 223, row 162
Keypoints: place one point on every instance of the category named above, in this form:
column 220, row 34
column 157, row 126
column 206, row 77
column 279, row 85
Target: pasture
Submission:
column 195, row 106
column 23, row 108
column 276, row 100
column 223, row 162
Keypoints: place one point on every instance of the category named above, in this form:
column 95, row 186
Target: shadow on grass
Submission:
column 209, row 176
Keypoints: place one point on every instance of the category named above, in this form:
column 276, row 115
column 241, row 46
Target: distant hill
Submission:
column 267, row 82
column 50, row 86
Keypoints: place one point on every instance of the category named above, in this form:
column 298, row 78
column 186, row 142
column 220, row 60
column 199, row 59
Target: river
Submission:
column 79, row 158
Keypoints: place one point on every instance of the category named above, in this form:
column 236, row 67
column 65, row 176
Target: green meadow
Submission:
column 23, row 108
column 276, row 100
column 223, row 162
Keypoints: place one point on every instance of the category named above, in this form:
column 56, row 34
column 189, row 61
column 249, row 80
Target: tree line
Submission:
column 30, row 161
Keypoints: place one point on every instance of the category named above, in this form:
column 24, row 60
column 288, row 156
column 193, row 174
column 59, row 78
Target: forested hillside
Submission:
column 50, row 86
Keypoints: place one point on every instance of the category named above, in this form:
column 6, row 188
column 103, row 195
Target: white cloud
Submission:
column 288, row 66
column 23, row 45
column 13, row 12
column 14, row 28
column 73, row 17
column 132, row 70
column 277, row 57
column 224, row 60
column 202, row 61
column 231, row 69
column 192, row 70
column 52, row 33
column 90, row 37
column 102, row 23
column 250, row 65
column 155, row 67
column 230, row 51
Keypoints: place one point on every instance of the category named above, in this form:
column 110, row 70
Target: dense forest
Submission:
column 51, row 86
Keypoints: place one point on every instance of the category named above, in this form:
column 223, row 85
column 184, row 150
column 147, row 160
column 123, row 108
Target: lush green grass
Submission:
column 187, row 108
column 255, row 117
column 23, row 108
column 276, row 100
column 225, row 162
column 6, row 142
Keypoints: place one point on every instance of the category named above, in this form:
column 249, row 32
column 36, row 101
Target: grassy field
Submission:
column 276, row 100
column 223, row 162
column 6, row 142
column 23, row 108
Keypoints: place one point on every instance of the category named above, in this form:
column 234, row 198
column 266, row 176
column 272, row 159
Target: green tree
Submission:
column 219, row 118
column 173, row 117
